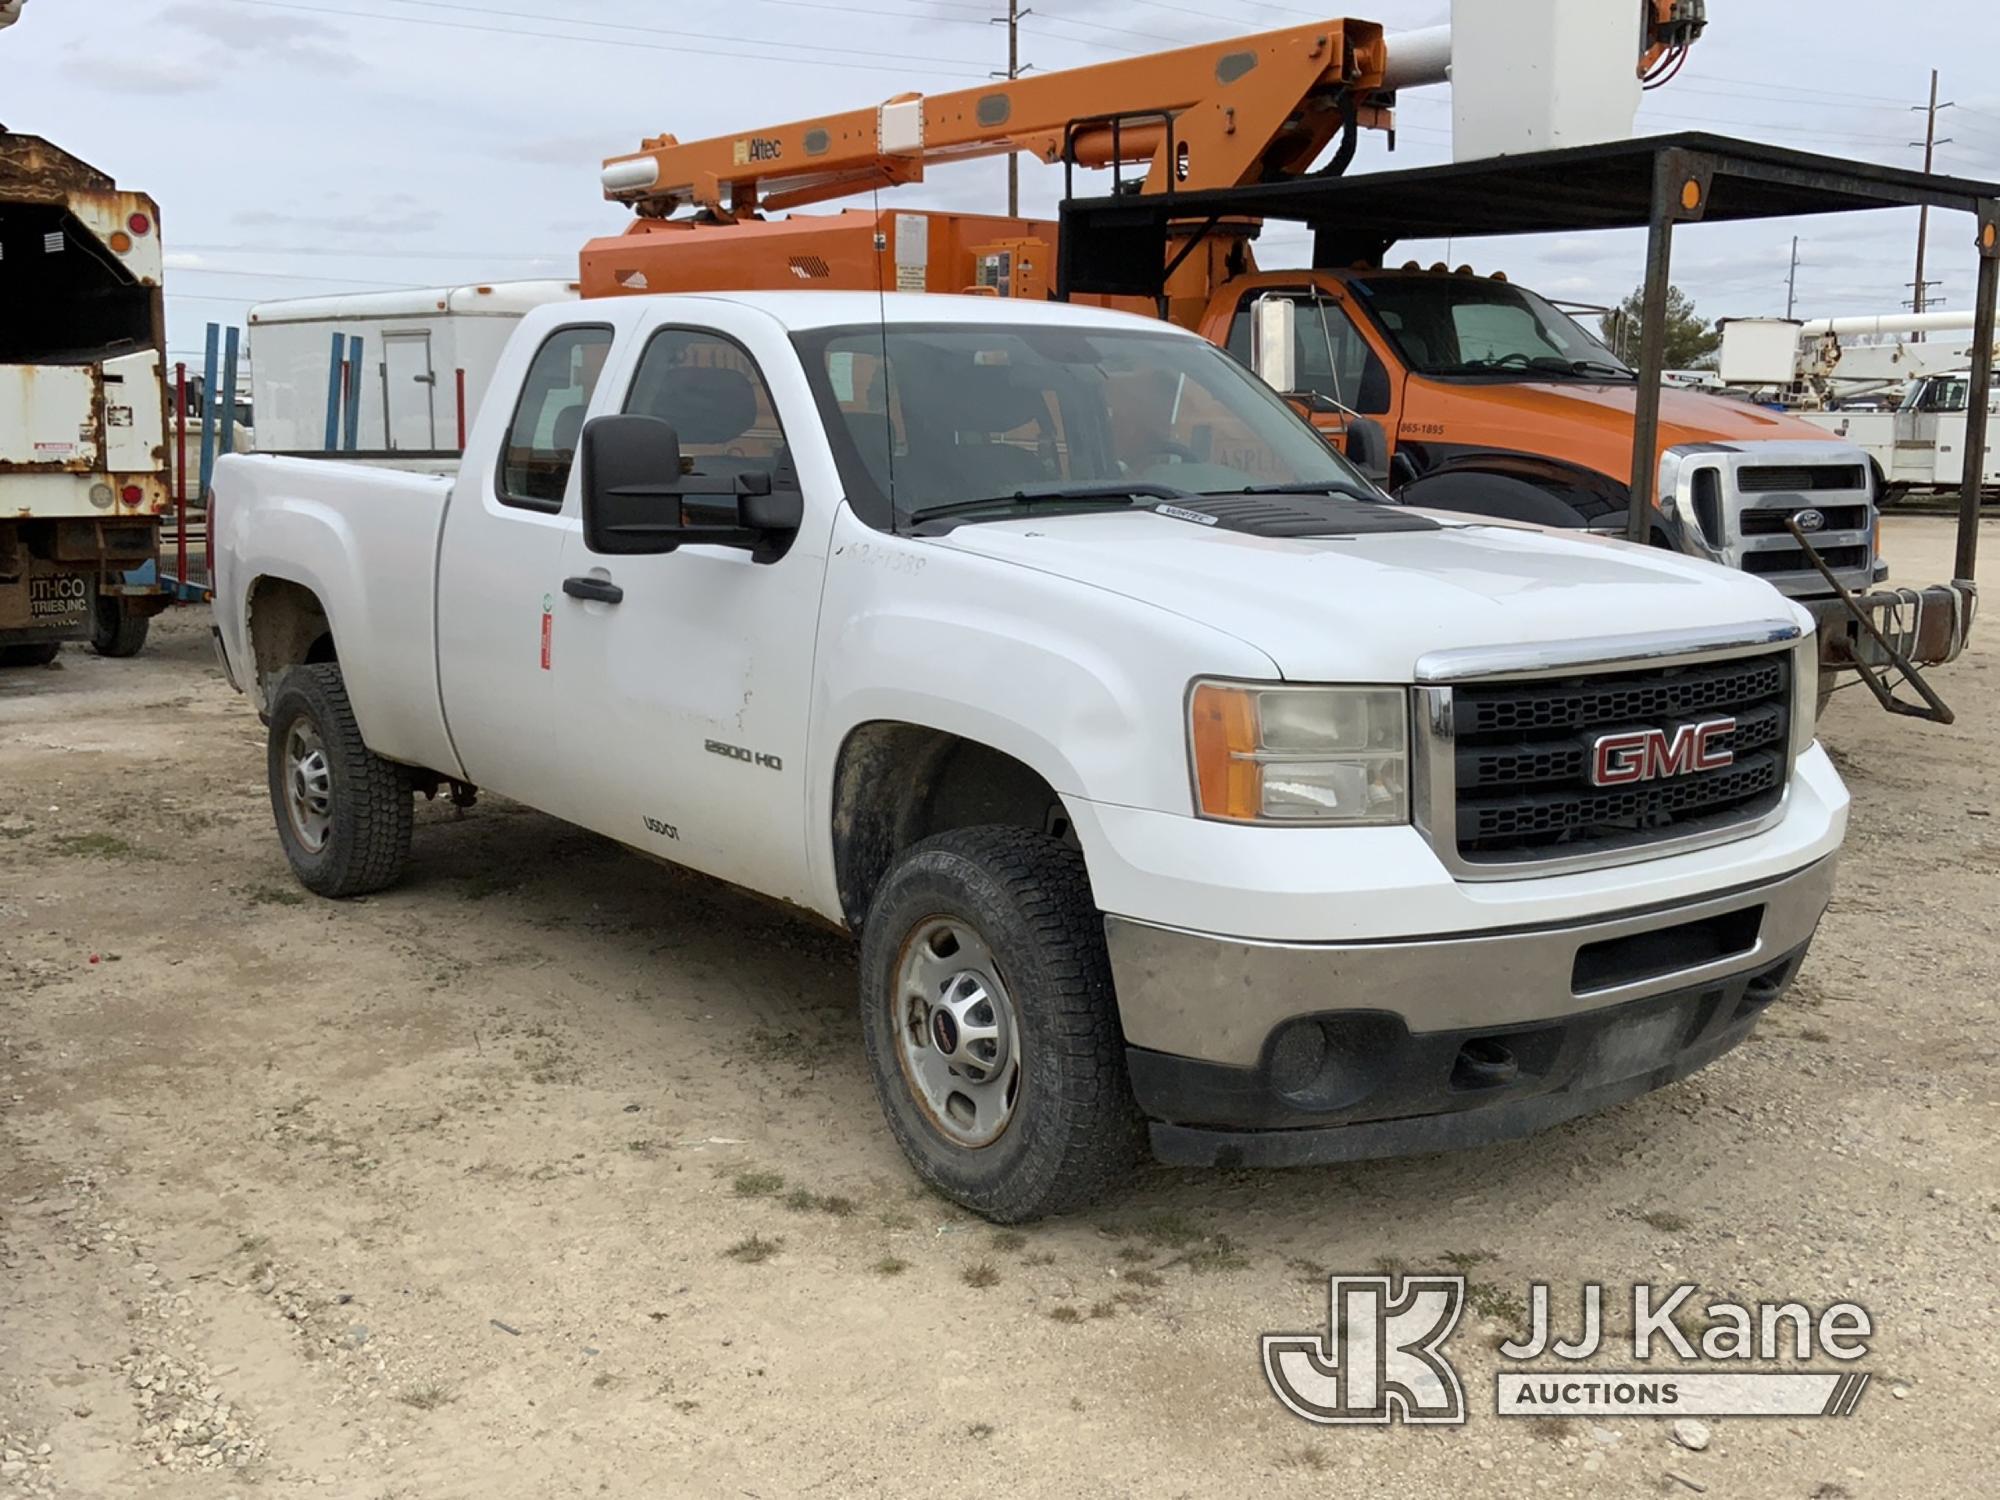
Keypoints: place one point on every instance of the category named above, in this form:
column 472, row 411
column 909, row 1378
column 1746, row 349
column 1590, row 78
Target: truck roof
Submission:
column 491, row 299
column 807, row 309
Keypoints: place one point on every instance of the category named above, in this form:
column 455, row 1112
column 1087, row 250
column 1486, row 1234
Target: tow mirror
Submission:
column 1274, row 347
column 1367, row 446
column 636, row 499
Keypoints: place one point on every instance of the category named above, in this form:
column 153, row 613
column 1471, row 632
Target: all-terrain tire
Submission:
column 1074, row 1132
column 114, row 630
column 40, row 654
column 365, row 839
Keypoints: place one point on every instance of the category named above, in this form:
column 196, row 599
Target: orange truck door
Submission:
column 1339, row 368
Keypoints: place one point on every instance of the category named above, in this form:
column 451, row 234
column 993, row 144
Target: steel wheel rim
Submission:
column 957, row 1038
column 308, row 785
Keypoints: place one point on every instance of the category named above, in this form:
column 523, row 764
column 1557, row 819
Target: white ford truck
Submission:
column 1177, row 785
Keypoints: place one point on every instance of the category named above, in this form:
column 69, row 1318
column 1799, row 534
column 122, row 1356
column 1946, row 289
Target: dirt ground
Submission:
column 556, row 1172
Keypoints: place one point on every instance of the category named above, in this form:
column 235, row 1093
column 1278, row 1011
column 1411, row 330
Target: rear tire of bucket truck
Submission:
column 991, row 1027
column 38, row 655
column 343, row 812
column 114, row 630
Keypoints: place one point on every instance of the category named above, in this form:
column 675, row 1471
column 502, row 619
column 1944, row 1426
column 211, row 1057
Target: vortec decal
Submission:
column 1650, row 754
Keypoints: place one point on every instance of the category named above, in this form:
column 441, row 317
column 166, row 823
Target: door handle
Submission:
column 599, row 590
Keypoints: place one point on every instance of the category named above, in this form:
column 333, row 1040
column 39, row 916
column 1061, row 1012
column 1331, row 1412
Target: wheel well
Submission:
column 288, row 627
column 897, row 784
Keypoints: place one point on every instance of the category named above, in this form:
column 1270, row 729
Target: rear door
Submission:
column 48, row 417
column 500, row 579
column 409, row 388
column 693, row 690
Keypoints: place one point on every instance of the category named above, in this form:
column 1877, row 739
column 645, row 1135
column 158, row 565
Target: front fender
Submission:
column 1085, row 687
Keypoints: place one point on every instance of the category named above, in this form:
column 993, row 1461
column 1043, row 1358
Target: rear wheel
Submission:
column 38, row 655
column 115, row 630
column 343, row 812
column 991, row 1027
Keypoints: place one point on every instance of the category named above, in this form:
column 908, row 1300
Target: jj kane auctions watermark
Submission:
column 1383, row 1357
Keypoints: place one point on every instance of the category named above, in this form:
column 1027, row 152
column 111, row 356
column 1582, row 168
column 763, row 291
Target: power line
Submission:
column 600, row 41
column 1209, row 15
column 482, row 255
column 384, row 286
column 705, row 36
column 1064, row 19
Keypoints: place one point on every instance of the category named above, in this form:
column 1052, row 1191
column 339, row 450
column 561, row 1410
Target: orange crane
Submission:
column 1273, row 108
column 1218, row 113
column 1247, row 109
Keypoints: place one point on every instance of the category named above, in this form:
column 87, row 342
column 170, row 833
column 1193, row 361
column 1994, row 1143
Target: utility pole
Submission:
column 1792, row 281
column 1012, row 21
column 1930, row 144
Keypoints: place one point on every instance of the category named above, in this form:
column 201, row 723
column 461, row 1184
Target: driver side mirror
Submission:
column 1274, row 348
column 637, row 500
column 1367, row 445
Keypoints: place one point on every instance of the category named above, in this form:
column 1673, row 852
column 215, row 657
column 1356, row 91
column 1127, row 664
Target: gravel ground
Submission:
column 556, row 1172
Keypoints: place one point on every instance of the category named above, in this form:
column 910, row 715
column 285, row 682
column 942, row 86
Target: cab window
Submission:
column 1331, row 356
column 548, row 418
column 710, row 391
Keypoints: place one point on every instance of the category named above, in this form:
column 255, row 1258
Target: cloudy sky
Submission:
column 309, row 146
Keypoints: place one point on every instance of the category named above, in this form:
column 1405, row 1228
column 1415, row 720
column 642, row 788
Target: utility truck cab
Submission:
column 1488, row 398
column 1178, row 786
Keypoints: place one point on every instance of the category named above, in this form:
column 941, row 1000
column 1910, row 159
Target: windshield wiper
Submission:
column 1540, row 364
column 1111, row 492
column 1304, row 488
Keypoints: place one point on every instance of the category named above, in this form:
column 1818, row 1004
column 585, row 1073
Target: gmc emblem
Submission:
column 1649, row 754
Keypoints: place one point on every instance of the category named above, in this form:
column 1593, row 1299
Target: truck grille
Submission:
column 1793, row 560
column 1523, row 751
column 1764, row 479
column 1771, row 522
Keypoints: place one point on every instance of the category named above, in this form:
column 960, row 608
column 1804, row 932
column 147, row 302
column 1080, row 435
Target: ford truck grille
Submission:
column 1523, row 758
column 1766, row 478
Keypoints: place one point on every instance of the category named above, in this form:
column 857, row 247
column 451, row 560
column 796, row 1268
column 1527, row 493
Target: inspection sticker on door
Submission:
column 548, row 627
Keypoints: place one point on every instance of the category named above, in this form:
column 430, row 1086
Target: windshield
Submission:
column 927, row 416
column 1944, row 393
column 1458, row 325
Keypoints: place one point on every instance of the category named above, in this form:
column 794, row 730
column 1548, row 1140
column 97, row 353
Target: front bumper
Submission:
column 1261, row 1053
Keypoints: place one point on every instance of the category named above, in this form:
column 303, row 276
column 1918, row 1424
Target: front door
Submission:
column 696, row 685
column 409, row 385
column 500, row 581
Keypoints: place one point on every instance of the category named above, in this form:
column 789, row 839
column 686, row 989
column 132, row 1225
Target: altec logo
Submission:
column 1637, row 755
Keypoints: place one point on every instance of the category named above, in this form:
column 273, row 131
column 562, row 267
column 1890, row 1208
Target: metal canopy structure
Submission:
column 1128, row 243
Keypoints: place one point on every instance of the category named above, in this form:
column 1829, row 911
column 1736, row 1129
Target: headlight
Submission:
column 1805, row 693
column 1300, row 754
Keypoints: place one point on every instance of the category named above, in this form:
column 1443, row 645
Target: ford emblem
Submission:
column 1811, row 520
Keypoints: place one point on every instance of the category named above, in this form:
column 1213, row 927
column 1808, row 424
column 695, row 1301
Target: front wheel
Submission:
column 991, row 1027
column 343, row 812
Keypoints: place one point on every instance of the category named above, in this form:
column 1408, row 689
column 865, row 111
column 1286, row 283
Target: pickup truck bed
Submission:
column 363, row 541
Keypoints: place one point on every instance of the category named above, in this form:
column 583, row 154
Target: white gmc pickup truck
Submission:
column 1176, row 784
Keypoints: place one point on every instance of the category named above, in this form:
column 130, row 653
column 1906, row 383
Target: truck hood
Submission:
column 1685, row 416
column 1364, row 608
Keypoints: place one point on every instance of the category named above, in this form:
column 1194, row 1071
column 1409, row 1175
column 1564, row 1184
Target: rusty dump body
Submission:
column 83, row 404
